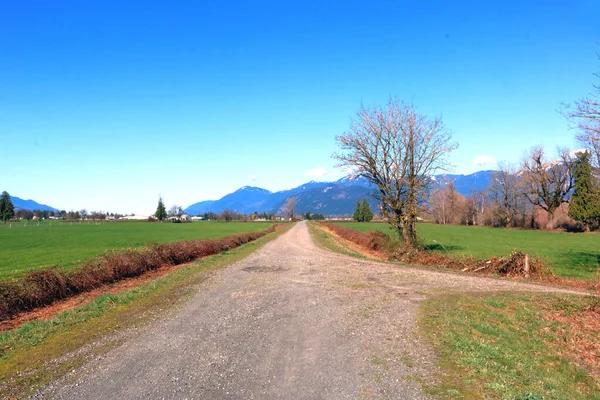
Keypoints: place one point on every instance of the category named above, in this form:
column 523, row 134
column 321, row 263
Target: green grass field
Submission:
column 513, row 346
column 569, row 255
column 67, row 245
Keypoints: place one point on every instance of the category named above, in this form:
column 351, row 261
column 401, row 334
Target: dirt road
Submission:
column 291, row 321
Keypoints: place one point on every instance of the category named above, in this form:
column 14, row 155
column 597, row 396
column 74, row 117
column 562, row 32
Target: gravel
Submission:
column 290, row 321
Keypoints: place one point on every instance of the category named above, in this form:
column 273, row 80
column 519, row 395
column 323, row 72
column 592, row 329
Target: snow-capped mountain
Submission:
column 329, row 198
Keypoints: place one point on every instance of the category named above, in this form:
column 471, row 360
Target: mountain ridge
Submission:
column 329, row 198
column 22, row 204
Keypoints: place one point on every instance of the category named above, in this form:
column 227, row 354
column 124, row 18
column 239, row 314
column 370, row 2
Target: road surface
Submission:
column 291, row 321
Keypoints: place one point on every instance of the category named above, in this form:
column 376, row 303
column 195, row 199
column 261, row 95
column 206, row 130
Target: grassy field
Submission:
column 569, row 255
column 514, row 346
column 44, row 350
column 67, row 245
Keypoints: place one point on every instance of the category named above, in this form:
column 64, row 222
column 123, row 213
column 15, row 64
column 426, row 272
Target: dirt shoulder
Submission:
column 292, row 320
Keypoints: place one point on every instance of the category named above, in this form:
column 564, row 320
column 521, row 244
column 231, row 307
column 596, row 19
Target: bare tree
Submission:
column 438, row 206
column 227, row 215
column 475, row 207
column 289, row 208
column 175, row 211
column 397, row 149
column 584, row 115
column 505, row 193
column 546, row 184
column 446, row 205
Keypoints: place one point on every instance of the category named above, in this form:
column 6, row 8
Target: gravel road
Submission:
column 291, row 321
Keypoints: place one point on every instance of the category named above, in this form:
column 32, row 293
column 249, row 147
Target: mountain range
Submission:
column 328, row 198
column 21, row 204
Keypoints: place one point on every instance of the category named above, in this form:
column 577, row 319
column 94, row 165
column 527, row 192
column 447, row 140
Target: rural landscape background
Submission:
column 295, row 174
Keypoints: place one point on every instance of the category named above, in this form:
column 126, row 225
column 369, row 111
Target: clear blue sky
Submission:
column 106, row 105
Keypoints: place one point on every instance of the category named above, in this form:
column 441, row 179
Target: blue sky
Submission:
column 107, row 105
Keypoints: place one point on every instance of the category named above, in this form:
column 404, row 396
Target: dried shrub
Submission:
column 41, row 288
column 373, row 240
column 513, row 265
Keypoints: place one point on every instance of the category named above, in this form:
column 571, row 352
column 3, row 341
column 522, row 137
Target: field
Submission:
column 527, row 346
column 569, row 255
column 67, row 245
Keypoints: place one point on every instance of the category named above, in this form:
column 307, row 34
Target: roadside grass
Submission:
column 330, row 242
column 514, row 346
column 568, row 255
column 27, row 246
column 41, row 351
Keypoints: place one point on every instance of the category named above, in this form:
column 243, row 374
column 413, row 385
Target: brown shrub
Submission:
column 373, row 240
column 513, row 265
column 41, row 288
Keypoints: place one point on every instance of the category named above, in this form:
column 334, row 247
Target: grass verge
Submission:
column 515, row 346
column 330, row 242
column 42, row 351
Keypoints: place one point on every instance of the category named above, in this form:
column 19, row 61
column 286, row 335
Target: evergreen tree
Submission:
column 585, row 201
column 357, row 216
column 367, row 214
column 7, row 209
column 161, row 211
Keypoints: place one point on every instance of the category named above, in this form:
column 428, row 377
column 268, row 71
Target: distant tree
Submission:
column 505, row 194
column 475, row 207
column 73, row 215
column 290, row 208
column 317, row 217
column 227, row 215
column 175, row 211
column 161, row 212
column 7, row 209
column 98, row 215
column 398, row 149
column 357, row 216
column 547, row 184
column 365, row 210
column 83, row 213
column 585, row 201
column 25, row 214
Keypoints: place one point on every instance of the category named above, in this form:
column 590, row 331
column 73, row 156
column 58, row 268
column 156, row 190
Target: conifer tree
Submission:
column 357, row 216
column 7, row 209
column 367, row 214
column 161, row 211
column 585, row 201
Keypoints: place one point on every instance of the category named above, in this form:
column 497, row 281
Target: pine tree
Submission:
column 161, row 211
column 367, row 214
column 7, row 209
column 585, row 201
column 357, row 216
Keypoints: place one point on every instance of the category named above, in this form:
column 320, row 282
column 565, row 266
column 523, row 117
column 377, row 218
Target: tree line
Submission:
column 562, row 193
column 398, row 149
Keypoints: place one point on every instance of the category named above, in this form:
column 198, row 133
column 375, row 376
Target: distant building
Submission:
column 136, row 217
column 197, row 218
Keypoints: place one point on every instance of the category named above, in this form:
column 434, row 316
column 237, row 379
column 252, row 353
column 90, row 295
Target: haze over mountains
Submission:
column 329, row 198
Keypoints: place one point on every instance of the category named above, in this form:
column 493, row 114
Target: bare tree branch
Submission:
column 398, row 150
